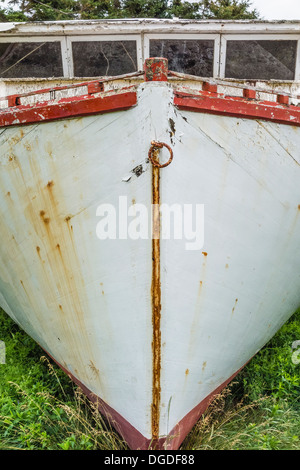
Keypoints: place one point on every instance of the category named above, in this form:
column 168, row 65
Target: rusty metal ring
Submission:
column 159, row 145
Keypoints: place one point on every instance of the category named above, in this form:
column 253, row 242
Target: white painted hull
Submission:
column 87, row 301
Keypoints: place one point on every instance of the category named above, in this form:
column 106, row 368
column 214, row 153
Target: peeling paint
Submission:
column 172, row 130
column 138, row 170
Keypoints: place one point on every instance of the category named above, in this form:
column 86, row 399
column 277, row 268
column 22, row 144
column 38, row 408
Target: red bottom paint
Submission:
column 134, row 439
column 181, row 430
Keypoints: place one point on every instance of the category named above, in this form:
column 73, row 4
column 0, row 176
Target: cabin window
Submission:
column 189, row 56
column 101, row 58
column 30, row 59
column 261, row 60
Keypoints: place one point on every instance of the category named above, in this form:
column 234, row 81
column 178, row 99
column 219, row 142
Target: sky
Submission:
column 277, row 9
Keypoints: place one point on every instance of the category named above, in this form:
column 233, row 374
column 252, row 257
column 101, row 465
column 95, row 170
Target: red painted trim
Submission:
column 250, row 94
column 181, row 430
column 69, row 107
column 156, row 69
column 206, row 86
column 238, row 107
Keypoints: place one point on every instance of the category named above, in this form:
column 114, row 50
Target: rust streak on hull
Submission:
column 156, row 307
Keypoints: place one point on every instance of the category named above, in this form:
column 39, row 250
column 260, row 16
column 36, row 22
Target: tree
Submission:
column 229, row 10
column 50, row 10
column 44, row 10
column 214, row 9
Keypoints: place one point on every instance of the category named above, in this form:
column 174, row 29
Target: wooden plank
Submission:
column 69, row 107
column 206, row 102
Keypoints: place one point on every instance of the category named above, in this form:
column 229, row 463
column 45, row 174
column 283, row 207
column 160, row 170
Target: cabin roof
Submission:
column 149, row 24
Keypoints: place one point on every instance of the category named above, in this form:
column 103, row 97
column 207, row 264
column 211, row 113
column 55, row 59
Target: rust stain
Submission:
column 49, row 188
column 70, row 228
column 200, row 288
column 46, row 220
column 204, row 253
column 94, row 368
column 187, row 372
column 203, row 366
column 63, row 261
column 299, row 207
column 57, row 262
column 233, row 308
column 226, row 265
column 24, row 287
column 156, row 306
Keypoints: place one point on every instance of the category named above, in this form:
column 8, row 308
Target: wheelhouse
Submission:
column 78, row 50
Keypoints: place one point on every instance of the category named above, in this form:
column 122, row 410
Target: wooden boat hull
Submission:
column 150, row 329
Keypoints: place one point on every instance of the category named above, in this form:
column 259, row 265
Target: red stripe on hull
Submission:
column 181, row 430
column 72, row 107
column 134, row 439
column 238, row 107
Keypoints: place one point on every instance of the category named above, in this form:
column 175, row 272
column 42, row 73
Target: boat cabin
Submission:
column 255, row 51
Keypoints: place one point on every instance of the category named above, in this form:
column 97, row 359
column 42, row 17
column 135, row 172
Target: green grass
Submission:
column 260, row 410
column 40, row 408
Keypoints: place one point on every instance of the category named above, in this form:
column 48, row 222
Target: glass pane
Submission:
column 190, row 56
column 95, row 58
column 30, row 59
column 261, row 60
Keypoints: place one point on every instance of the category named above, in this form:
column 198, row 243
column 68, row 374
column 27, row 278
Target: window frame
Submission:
column 143, row 45
column 258, row 37
column 187, row 36
column 102, row 38
column 22, row 39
